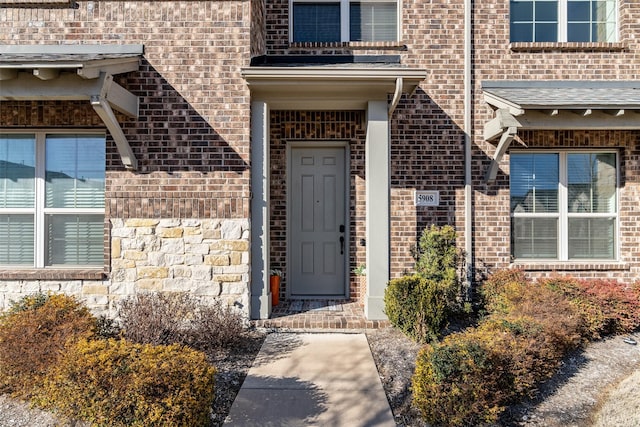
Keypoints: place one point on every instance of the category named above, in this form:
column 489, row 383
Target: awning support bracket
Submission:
column 103, row 109
column 506, row 126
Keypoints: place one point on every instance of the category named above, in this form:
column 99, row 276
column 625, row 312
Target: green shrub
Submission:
column 170, row 318
column 118, row 383
column 471, row 376
column 438, row 259
column 461, row 381
column 492, row 291
column 33, row 336
column 417, row 306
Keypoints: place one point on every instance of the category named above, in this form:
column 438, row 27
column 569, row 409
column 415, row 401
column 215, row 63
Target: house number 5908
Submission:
column 427, row 198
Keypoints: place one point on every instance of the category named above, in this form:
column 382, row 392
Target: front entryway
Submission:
column 318, row 242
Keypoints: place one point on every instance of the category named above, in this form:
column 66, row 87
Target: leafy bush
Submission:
column 460, row 381
column 494, row 288
column 438, row 259
column 168, row 318
column 417, row 306
column 118, row 383
column 33, row 335
column 471, row 376
column 607, row 306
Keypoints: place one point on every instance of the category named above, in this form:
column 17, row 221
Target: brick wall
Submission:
column 426, row 136
column 192, row 136
column 426, row 129
column 317, row 126
column 496, row 59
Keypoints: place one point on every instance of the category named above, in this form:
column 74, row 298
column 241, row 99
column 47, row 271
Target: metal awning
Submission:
column 74, row 72
column 557, row 105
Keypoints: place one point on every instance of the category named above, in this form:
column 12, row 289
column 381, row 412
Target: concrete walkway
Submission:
column 312, row 380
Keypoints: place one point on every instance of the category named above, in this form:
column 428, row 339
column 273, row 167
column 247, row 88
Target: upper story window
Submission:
column 564, row 20
column 52, row 199
column 344, row 20
column 564, row 205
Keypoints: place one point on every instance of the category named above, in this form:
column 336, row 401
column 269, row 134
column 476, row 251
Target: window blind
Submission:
column 373, row 21
column 16, row 237
column 316, row 22
column 75, row 240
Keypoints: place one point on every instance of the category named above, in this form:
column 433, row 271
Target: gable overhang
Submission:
column 74, row 73
column 556, row 105
column 327, row 87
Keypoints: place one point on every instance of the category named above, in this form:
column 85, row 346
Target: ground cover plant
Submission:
column 528, row 327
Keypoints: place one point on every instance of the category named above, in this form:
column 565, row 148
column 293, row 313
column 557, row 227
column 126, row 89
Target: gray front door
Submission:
column 318, row 241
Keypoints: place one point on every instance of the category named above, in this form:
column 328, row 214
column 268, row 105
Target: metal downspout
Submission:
column 396, row 96
column 468, row 189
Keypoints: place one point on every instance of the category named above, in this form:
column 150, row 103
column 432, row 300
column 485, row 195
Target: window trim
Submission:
column 345, row 30
column 563, row 213
column 563, row 25
column 39, row 210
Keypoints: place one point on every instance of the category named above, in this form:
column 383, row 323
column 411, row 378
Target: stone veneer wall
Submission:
column 208, row 258
column 96, row 294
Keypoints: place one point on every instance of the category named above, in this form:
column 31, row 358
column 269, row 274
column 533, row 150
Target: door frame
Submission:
column 315, row 143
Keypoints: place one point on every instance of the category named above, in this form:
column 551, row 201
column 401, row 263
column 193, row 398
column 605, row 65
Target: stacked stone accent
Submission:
column 205, row 257
column 208, row 258
column 94, row 293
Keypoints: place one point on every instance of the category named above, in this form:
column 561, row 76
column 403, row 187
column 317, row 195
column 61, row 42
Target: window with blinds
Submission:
column 343, row 20
column 564, row 20
column 375, row 21
column 52, row 199
column 563, row 205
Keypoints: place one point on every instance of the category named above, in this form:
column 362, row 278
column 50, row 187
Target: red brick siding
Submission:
column 426, row 129
column 192, row 136
column 320, row 126
column 494, row 59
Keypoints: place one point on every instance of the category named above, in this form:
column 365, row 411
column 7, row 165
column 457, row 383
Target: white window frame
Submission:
column 563, row 22
column 39, row 210
column 345, row 29
column 563, row 213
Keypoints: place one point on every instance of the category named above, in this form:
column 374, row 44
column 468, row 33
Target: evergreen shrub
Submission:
column 33, row 335
column 417, row 306
column 118, row 383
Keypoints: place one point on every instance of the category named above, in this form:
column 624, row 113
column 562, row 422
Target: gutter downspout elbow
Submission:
column 396, row 96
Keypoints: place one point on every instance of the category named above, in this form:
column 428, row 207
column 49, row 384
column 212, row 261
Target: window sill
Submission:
column 348, row 45
column 569, row 265
column 567, row 47
column 52, row 274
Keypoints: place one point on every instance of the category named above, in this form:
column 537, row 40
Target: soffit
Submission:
column 557, row 105
column 328, row 87
column 74, row 72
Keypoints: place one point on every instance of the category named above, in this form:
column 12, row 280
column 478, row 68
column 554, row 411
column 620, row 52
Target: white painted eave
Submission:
column 328, row 87
column 74, row 72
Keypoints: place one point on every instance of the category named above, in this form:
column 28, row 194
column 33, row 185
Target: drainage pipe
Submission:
column 396, row 96
column 468, row 184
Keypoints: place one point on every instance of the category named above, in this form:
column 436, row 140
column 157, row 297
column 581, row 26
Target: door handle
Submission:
column 341, row 245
